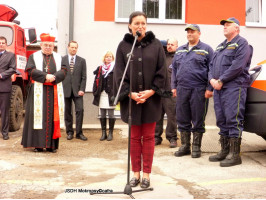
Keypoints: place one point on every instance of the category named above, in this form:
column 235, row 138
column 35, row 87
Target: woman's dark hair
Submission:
column 135, row 14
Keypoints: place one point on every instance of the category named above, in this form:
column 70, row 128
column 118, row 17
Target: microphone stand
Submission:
column 128, row 189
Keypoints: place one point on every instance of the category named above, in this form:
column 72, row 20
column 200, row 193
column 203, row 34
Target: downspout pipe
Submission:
column 71, row 19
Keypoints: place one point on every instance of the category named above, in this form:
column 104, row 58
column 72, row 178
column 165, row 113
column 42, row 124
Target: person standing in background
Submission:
column 230, row 79
column 45, row 103
column 74, row 90
column 7, row 68
column 192, row 90
column 103, row 93
column 169, row 104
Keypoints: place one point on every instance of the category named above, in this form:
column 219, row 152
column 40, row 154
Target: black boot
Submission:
column 111, row 128
column 233, row 158
column 103, row 125
column 196, row 145
column 185, row 147
column 224, row 140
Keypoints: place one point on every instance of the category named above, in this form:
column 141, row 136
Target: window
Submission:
column 20, row 39
column 255, row 13
column 7, row 32
column 158, row 11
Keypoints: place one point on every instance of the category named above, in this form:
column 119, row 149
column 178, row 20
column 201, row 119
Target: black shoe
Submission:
column 70, row 137
column 38, row 150
column 5, row 137
column 81, row 137
column 134, row 182
column 51, row 150
column 145, row 183
column 173, row 144
column 157, row 142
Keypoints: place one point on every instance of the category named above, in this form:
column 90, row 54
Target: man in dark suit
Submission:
column 74, row 89
column 7, row 68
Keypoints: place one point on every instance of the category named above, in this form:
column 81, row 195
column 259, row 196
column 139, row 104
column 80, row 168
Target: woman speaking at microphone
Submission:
column 149, row 84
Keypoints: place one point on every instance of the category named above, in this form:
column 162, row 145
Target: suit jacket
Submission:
column 7, row 68
column 77, row 81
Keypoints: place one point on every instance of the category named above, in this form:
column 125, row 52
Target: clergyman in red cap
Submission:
column 45, row 103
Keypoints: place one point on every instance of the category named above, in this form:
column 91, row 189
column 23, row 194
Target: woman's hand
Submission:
column 146, row 94
column 135, row 97
column 142, row 96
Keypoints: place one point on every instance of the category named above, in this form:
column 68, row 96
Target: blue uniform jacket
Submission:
column 231, row 63
column 191, row 68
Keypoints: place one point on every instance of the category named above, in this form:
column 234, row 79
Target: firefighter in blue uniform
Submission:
column 230, row 78
column 190, row 86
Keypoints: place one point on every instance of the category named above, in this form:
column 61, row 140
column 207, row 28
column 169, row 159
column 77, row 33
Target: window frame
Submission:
column 20, row 38
column 262, row 16
column 161, row 20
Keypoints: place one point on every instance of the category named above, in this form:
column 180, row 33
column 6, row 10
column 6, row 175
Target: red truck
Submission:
column 16, row 43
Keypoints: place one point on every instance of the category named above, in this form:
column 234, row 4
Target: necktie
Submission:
column 71, row 64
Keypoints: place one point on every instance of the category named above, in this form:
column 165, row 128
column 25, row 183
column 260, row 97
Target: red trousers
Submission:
column 142, row 146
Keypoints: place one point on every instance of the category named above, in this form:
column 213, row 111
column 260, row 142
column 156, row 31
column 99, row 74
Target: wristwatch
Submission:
column 220, row 82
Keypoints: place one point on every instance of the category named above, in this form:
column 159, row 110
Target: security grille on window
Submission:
column 151, row 8
column 255, row 13
column 158, row 11
column 173, row 9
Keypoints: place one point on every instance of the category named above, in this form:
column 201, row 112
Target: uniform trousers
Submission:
column 142, row 146
column 229, row 106
column 4, row 108
column 191, row 109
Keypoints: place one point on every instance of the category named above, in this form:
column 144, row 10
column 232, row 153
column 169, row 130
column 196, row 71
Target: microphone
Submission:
column 138, row 33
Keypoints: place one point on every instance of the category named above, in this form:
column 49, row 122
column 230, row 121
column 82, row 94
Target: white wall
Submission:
column 63, row 26
column 95, row 38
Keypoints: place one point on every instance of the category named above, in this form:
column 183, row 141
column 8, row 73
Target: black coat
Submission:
column 104, row 84
column 149, row 72
column 169, row 59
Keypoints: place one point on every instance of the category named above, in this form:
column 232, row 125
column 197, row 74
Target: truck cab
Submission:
column 16, row 43
column 255, row 115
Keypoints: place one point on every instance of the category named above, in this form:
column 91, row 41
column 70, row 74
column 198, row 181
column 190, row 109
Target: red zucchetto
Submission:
column 46, row 37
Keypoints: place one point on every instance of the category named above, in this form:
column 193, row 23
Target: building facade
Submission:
column 99, row 25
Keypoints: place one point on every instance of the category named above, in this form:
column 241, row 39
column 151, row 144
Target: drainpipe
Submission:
column 71, row 19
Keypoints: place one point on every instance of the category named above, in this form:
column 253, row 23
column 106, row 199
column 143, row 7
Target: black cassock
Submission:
column 41, row 138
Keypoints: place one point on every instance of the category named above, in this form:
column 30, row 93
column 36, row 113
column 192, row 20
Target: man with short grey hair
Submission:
column 230, row 78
